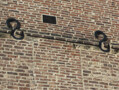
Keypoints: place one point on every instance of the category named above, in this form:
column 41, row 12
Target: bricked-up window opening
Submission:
column 49, row 19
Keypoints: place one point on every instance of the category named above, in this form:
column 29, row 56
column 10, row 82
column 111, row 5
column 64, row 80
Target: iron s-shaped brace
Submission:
column 13, row 29
column 97, row 33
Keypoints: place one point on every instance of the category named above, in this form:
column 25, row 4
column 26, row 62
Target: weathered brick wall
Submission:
column 100, row 71
column 59, row 56
column 40, row 64
column 83, row 16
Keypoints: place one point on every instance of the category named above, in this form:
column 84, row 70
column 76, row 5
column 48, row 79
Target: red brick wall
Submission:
column 43, row 64
column 83, row 16
column 60, row 56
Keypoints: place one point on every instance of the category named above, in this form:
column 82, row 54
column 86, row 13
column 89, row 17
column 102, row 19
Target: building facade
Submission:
column 59, row 51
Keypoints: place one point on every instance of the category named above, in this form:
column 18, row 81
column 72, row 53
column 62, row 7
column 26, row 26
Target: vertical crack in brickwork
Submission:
column 33, row 83
column 82, row 71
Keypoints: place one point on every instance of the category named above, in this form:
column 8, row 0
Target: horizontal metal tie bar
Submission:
column 58, row 37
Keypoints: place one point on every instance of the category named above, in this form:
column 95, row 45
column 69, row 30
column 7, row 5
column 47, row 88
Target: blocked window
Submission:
column 49, row 19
